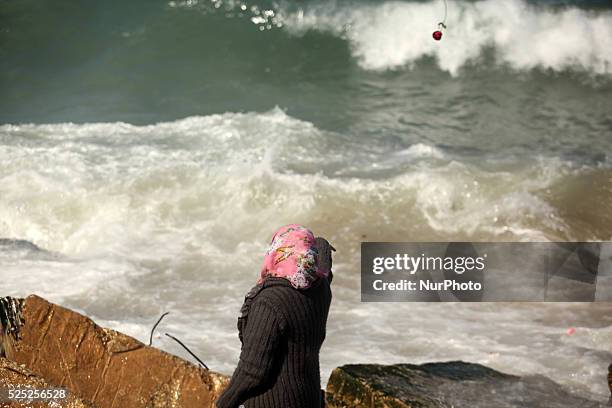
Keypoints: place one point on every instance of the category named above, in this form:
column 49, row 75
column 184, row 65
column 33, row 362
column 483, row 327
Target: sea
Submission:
column 149, row 149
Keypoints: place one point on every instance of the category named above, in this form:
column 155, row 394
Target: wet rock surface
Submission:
column 13, row 375
column 444, row 385
column 105, row 367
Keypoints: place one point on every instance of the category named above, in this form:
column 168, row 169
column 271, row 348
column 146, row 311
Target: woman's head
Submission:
column 293, row 255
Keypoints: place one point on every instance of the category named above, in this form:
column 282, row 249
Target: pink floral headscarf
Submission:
column 293, row 255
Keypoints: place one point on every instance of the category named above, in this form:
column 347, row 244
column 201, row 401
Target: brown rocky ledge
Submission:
column 99, row 366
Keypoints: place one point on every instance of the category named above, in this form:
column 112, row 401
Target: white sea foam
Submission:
column 390, row 35
column 111, row 185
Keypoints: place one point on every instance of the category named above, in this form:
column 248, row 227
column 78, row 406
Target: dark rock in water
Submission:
column 18, row 244
column 610, row 383
column 444, row 385
column 16, row 376
column 22, row 249
column 103, row 366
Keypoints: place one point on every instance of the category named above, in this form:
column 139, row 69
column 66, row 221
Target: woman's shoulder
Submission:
column 274, row 289
column 279, row 293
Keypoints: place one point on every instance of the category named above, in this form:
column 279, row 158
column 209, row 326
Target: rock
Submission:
column 18, row 244
column 103, row 366
column 11, row 319
column 610, row 384
column 15, row 375
column 443, row 385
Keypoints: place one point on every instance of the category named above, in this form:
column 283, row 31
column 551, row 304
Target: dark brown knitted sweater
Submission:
column 279, row 361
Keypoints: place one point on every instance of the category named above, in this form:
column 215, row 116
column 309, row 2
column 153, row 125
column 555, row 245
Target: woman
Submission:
column 282, row 326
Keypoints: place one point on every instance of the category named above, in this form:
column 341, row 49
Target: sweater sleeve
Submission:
column 261, row 338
